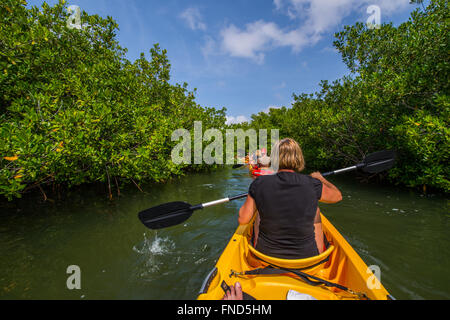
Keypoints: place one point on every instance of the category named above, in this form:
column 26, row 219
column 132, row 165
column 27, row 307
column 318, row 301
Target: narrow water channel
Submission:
column 403, row 232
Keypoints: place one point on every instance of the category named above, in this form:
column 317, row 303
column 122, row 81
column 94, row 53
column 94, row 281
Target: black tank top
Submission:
column 287, row 203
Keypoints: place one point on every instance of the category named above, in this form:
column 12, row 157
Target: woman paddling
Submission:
column 287, row 202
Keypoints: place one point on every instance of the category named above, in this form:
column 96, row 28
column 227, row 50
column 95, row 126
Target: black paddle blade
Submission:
column 166, row 215
column 238, row 166
column 379, row 161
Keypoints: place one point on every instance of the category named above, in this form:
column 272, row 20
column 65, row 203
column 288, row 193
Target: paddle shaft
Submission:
column 244, row 195
column 241, row 196
column 353, row 168
column 174, row 213
column 217, row 202
column 357, row 167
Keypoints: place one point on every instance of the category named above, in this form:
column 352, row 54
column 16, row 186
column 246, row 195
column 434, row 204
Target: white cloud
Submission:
column 210, row 47
column 267, row 110
column 321, row 15
column 389, row 7
column 313, row 19
column 193, row 19
column 278, row 4
column 236, row 120
column 257, row 37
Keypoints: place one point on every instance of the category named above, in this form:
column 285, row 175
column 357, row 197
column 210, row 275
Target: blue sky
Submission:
column 245, row 55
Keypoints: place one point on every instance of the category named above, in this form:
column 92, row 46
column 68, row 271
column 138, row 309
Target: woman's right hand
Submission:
column 317, row 175
column 330, row 193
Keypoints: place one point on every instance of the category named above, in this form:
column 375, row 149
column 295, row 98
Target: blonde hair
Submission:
column 288, row 155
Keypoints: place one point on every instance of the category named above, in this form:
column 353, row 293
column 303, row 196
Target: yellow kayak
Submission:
column 337, row 274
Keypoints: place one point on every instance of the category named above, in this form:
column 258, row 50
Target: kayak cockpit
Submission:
column 339, row 265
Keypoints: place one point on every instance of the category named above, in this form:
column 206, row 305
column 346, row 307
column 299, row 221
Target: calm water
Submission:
column 403, row 232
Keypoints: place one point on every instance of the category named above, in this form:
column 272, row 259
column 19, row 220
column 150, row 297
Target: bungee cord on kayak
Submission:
column 309, row 279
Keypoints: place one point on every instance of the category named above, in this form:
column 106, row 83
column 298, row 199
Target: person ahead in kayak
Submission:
column 264, row 166
column 287, row 202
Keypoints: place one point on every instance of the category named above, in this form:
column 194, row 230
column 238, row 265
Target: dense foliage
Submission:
column 74, row 110
column 397, row 96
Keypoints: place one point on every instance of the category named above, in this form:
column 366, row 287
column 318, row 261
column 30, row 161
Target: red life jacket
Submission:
column 262, row 172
